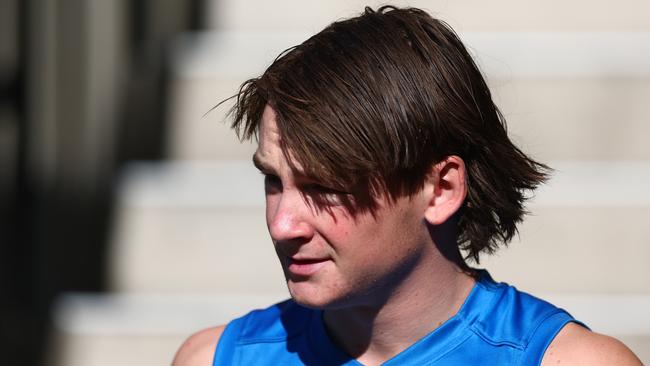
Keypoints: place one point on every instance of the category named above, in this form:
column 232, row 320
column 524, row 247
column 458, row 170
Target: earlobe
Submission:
column 447, row 190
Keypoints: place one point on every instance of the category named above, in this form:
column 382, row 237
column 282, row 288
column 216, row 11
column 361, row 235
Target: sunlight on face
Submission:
column 330, row 256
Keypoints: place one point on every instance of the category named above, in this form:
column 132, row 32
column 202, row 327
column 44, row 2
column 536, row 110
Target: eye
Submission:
column 325, row 195
column 272, row 183
column 317, row 188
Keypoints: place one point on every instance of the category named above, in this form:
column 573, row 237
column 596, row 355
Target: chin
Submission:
column 310, row 296
column 318, row 297
column 309, row 303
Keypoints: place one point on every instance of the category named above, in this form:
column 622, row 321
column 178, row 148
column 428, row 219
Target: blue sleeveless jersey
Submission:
column 497, row 325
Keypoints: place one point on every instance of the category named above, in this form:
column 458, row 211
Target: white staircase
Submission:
column 190, row 247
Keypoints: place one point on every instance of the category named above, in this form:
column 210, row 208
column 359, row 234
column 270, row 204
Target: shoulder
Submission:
column 199, row 348
column 275, row 323
column 507, row 315
column 576, row 345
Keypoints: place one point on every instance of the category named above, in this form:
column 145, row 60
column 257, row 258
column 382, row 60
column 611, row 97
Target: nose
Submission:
column 287, row 217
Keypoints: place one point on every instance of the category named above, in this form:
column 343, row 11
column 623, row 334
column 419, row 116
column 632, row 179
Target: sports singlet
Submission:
column 496, row 325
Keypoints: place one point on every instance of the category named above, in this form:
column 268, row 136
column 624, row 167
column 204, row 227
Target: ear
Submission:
column 447, row 189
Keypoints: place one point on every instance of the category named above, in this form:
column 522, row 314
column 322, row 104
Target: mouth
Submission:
column 305, row 266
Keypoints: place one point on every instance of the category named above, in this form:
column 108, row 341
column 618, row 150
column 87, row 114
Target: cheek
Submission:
column 340, row 235
column 391, row 237
column 271, row 206
column 353, row 238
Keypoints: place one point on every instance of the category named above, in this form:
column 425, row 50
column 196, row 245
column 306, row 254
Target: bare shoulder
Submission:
column 576, row 345
column 198, row 349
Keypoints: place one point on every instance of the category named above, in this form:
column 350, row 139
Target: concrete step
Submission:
column 200, row 227
column 137, row 330
column 143, row 330
column 191, row 228
column 502, row 15
column 580, row 96
column 587, row 232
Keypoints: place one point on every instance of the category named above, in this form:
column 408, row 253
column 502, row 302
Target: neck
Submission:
column 374, row 333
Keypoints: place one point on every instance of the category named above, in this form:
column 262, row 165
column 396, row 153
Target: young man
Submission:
column 386, row 162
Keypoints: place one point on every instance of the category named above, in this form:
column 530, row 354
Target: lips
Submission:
column 305, row 266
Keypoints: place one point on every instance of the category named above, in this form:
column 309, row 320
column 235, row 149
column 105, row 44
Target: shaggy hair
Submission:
column 370, row 103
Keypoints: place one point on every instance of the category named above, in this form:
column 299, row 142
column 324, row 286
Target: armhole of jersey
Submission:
column 544, row 336
column 224, row 354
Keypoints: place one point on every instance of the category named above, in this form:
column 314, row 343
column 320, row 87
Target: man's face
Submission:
column 332, row 255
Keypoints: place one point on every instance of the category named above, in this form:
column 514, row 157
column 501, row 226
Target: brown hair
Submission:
column 370, row 103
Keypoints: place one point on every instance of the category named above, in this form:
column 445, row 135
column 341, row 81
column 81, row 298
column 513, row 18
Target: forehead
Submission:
column 268, row 128
column 269, row 153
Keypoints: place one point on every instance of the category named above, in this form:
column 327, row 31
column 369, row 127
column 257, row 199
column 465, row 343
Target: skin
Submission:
column 578, row 346
column 375, row 309
column 199, row 348
column 362, row 297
